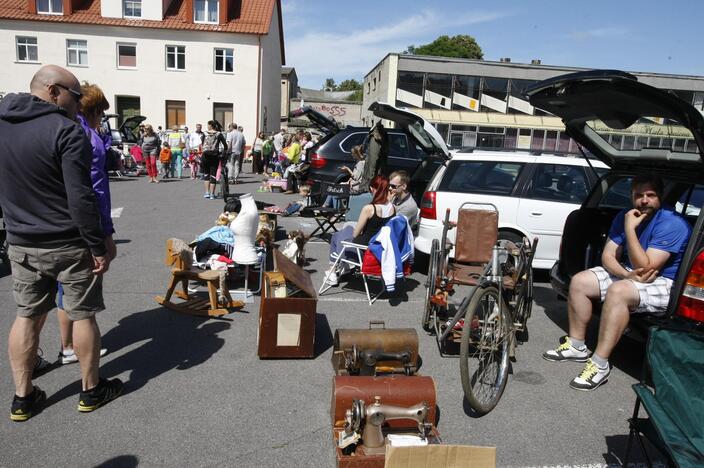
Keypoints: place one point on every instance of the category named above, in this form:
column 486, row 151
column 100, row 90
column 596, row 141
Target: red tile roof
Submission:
column 254, row 18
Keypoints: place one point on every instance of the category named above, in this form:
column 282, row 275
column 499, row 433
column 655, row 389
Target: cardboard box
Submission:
column 441, row 456
column 287, row 324
column 360, row 459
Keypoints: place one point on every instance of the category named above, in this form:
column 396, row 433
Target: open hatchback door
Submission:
column 629, row 125
column 317, row 119
column 422, row 132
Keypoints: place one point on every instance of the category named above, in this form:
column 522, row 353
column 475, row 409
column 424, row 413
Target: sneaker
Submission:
column 591, row 377
column 207, row 195
column 103, row 393
column 212, row 196
column 23, row 408
column 69, row 357
column 566, row 352
column 41, row 365
column 331, row 278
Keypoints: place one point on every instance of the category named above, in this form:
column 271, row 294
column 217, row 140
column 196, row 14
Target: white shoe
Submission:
column 591, row 377
column 331, row 278
column 566, row 352
column 69, row 357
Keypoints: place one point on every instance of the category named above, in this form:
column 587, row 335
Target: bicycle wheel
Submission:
column 484, row 349
column 430, row 282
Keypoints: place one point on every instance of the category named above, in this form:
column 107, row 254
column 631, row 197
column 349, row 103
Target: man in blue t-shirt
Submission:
column 640, row 261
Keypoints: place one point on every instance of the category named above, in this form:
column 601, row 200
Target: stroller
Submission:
column 133, row 162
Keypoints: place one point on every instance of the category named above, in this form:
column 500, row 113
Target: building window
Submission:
column 175, row 114
column 132, row 8
column 77, row 52
column 127, row 55
column 50, row 7
column 27, row 50
column 175, row 57
column 224, row 60
column 222, row 112
column 205, row 11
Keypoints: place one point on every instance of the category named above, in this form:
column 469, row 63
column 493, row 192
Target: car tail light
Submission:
column 317, row 161
column 427, row 206
column 691, row 304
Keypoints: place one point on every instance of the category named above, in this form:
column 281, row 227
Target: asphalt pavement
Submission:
column 196, row 394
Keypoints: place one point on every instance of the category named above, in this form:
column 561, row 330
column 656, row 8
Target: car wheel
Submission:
column 511, row 237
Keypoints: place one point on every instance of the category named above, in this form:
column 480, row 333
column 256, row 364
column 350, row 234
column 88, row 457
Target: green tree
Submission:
column 329, row 84
column 349, row 85
column 356, row 96
column 461, row 46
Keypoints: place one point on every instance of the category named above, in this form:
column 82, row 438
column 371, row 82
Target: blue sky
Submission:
column 346, row 39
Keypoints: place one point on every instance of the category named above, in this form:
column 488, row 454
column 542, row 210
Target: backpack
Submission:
column 211, row 141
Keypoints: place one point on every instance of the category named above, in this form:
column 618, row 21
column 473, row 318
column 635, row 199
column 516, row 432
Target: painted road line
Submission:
column 116, row 212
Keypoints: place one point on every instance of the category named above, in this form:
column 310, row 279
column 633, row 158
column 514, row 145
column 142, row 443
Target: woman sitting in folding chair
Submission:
column 372, row 218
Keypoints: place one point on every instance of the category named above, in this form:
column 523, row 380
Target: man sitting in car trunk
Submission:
column 640, row 261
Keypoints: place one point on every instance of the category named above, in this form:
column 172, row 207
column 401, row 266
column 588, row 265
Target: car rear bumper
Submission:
column 428, row 230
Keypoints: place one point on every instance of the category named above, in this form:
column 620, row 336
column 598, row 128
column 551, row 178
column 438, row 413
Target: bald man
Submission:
column 54, row 232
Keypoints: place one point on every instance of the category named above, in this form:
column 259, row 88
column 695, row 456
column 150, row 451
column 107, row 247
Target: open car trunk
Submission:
column 424, row 135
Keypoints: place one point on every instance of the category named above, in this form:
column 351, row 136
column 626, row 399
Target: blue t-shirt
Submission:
column 667, row 231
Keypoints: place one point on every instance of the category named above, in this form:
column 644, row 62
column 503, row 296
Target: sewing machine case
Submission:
column 287, row 324
column 390, row 340
column 398, row 390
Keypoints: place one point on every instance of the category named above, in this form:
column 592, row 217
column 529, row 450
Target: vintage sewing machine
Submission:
column 375, row 351
column 368, row 361
column 363, row 423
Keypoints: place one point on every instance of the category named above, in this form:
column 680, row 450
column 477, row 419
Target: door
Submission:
column 552, row 193
column 223, row 113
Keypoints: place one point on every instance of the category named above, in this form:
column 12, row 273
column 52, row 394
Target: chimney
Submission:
column 505, row 59
column 535, row 62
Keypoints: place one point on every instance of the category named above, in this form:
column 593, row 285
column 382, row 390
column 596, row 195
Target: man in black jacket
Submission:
column 53, row 230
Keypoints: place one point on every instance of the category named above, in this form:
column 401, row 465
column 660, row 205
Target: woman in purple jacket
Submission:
column 92, row 108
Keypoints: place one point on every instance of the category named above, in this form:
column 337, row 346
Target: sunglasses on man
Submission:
column 77, row 95
column 394, row 186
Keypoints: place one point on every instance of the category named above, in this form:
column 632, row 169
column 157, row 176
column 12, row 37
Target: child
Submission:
column 165, row 160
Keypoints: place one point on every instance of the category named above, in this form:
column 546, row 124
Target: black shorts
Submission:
column 209, row 163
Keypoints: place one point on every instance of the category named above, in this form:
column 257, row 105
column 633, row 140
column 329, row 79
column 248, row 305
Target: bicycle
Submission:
column 493, row 314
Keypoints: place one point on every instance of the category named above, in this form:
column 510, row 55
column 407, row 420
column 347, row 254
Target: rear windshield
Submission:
column 489, row 177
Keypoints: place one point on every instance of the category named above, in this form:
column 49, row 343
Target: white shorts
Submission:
column 654, row 296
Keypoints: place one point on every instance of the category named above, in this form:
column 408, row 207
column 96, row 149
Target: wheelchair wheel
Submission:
column 433, row 272
column 523, row 295
column 484, row 349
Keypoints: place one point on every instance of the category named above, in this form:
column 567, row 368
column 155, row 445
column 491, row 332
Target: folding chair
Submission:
column 360, row 259
column 325, row 217
column 675, row 408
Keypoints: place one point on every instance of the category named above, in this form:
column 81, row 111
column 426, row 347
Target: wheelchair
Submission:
column 495, row 278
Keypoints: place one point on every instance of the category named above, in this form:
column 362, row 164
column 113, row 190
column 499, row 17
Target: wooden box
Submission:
column 287, row 324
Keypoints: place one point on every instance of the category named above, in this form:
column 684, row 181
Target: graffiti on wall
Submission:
column 334, row 110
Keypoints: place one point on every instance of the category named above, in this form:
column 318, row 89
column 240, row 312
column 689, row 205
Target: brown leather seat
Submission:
column 469, row 275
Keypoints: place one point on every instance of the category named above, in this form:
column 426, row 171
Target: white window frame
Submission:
column 224, row 51
column 27, row 46
column 78, row 50
column 206, row 4
column 51, row 11
column 176, row 54
column 117, row 55
column 132, row 4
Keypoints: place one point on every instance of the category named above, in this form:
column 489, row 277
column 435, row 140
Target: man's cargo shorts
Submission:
column 35, row 272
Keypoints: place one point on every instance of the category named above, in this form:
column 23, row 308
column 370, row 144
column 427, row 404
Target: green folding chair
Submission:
column 675, row 404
